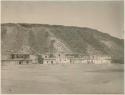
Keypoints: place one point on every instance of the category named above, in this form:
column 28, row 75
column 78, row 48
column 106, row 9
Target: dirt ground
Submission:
column 62, row 79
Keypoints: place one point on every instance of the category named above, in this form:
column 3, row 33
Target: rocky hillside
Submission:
column 40, row 37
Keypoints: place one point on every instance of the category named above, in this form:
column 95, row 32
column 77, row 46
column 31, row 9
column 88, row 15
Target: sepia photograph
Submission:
column 62, row 47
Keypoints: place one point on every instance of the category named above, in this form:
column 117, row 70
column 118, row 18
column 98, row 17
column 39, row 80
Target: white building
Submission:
column 64, row 58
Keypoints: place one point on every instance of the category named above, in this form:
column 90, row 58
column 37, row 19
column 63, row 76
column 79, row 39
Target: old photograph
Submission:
column 62, row 47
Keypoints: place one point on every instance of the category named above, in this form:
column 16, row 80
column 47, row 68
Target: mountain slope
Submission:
column 67, row 38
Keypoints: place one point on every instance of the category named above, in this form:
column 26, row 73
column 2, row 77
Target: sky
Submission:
column 105, row 16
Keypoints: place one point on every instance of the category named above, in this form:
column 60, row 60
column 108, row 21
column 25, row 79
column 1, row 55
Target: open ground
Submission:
column 63, row 79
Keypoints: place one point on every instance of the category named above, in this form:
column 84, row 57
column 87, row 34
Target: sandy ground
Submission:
column 62, row 79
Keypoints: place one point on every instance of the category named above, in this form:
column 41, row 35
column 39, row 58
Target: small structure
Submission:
column 17, row 58
column 23, row 56
column 61, row 58
column 49, row 61
column 91, row 59
column 55, row 58
column 49, row 58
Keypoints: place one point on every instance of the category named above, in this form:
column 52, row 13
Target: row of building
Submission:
column 54, row 58
column 64, row 58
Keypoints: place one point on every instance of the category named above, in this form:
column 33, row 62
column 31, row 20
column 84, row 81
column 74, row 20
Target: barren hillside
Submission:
column 68, row 38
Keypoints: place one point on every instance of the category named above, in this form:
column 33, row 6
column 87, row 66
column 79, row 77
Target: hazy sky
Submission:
column 106, row 16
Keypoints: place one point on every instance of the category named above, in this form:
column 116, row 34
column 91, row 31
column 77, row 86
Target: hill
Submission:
column 40, row 37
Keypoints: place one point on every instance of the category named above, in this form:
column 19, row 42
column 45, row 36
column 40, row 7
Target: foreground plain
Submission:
column 62, row 79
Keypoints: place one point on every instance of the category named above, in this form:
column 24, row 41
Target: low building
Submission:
column 65, row 58
column 55, row 58
column 17, row 58
column 49, row 61
column 22, row 56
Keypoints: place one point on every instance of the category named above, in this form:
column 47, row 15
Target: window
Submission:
column 51, row 62
column 12, row 56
